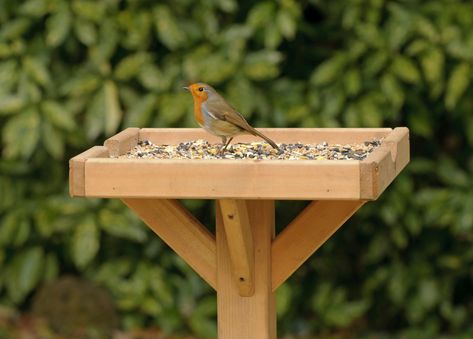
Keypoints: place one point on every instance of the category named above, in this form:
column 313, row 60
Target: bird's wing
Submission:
column 223, row 111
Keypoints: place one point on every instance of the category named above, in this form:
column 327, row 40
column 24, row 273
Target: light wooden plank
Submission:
column 398, row 142
column 181, row 231
column 77, row 169
column 384, row 164
column 377, row 173
column 247, row 317
column 303, row 236
column 122, row 142
column 279, row 135
column 240, row 243
column 241, row 179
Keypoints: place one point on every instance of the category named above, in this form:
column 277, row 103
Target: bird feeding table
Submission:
column 245, row 262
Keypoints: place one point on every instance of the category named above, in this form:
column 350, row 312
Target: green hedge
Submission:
column 75, row 72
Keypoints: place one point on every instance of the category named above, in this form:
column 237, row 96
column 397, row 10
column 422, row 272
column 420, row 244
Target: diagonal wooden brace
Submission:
column 306, row 233
column 178, row 228
column 240, row 243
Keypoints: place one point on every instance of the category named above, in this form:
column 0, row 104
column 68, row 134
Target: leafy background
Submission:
column 73, row 73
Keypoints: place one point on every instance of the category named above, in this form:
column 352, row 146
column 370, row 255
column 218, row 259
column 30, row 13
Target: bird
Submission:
column 218, row 117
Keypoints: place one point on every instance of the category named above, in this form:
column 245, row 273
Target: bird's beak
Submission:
column 186, row 88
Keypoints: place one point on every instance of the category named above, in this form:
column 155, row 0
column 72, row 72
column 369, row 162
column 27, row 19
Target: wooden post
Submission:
column 238, row 231
column 245, row 317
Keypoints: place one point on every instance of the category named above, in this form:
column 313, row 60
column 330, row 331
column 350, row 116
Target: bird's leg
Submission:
column 226, row 144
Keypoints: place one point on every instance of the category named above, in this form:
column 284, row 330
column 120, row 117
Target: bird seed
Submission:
column 201, row 149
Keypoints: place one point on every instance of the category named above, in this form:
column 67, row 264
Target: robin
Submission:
column 217, row 117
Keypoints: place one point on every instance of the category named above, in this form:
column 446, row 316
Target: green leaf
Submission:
column 52, row 140
column 172, row 107
column 51, row 267
column 369, row 111
column 14, row 28
column 139, row 114
column 457, row 84
column 392, row 89
column 328, row 71
column 117, row 225
column 419, row 123
column 426, row 29
column 138, row 25
column 417, row 46
column 5, row 50
column 36, row 8
column 452, row 175
column 36, row 70
column 58, row 115
column 152, row 78
column 272, row 38
column 8, row 229
column 208, row 65
column 58, row 26
column 90, row 10
column 333, row 103
column 262, row 65
column 432, row 63
column 113, row 112
column 405, row 69
column 81, row 84
column 131, row 65
column 104, row 49
column 286, row 24
column 8, row 75
column 351, row 116
column 24, row 273
column 29, row 89
column 85, row 242
column 168, row 29
column 370, row 34
column 203, row 316
column 240, row 94
column 284, row 295
column 375, row 62
column 352, row 82
column 10, row 104
column 85, row 32
column 261, row 14
column 95, row 115
column 344, row 314
column 228, row 6
column 21, row 134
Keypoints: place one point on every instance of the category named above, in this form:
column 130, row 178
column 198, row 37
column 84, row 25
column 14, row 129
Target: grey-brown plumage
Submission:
column 216, row 116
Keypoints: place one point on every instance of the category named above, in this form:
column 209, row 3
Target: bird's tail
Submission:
column 268, row 140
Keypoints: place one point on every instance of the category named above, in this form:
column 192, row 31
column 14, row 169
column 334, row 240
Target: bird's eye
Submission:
column 201, row 89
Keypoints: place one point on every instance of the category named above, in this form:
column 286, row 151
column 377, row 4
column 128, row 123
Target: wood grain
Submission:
column 240, row 243
column 122, row 142
column 77, row 169
column 209, row 179
column 255, row 316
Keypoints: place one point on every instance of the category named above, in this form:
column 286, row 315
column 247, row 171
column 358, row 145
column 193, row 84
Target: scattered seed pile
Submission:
column 201, row 149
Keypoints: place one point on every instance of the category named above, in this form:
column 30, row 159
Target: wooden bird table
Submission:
column 244, row 262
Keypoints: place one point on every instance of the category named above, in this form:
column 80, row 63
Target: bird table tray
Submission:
column 245, row 261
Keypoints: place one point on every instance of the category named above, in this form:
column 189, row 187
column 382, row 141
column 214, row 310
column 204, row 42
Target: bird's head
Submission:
column 200, row 91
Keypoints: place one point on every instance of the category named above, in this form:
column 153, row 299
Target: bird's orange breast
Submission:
column 198, row 115
column 199, row 99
